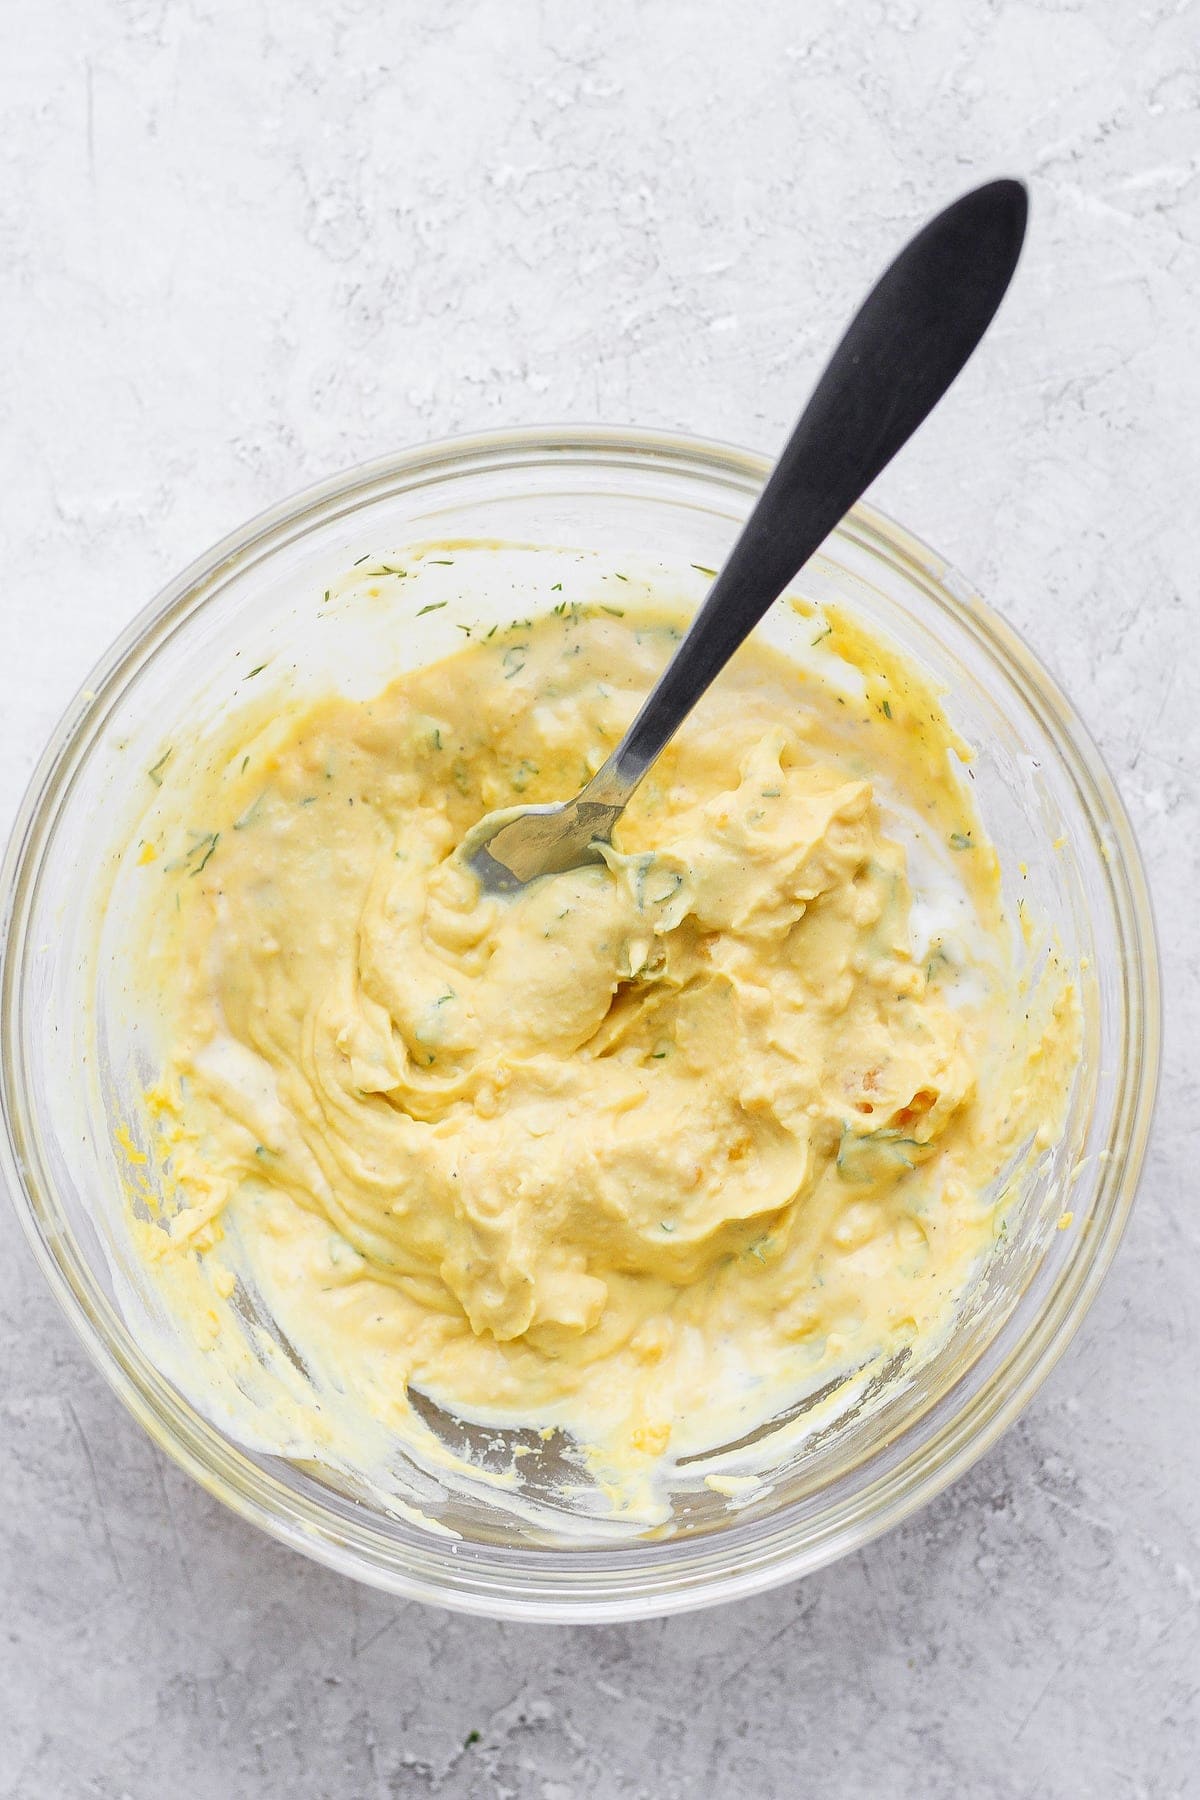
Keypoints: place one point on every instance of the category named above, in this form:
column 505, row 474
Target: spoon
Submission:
column 904, row 347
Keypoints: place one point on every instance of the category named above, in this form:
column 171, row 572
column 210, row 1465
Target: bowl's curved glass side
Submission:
column 660, row 493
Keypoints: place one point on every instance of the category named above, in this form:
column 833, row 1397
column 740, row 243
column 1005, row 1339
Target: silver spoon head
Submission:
column 509, row 849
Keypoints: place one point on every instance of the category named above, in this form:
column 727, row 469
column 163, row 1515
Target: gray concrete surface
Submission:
column 245, row 244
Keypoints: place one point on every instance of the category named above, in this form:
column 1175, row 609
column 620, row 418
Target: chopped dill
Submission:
column 434, row 606
column 155, row 773
column 212, row 840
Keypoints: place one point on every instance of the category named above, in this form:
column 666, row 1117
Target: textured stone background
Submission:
column 246, row 242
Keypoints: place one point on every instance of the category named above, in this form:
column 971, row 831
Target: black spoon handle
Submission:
column 914, row 332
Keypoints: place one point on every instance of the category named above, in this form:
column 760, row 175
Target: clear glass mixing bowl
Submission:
column 1043, row 793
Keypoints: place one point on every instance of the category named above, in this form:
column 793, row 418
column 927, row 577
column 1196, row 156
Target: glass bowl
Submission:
column 1044, row 796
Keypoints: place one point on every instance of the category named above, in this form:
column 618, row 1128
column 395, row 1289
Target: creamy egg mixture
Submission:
column 640, row 1154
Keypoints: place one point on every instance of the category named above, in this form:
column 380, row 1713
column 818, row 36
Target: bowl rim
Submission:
column 524, row 1588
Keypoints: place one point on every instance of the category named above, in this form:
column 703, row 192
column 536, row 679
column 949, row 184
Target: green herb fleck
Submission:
column 557, row 588
column 326, row 593
column 155, row 773
column 513, row 661
column 961, row 840
column 701, row 570
column 620, row 577
column 887, row 709
column 254, row 672
column 212, row 840
column 434, row 606
column 666, row 1225
column 490, row 633
column 472, row 1737
column 616, row 611
column 362, row 559
column 441, row 562
column 245, row 761
column 822, row 634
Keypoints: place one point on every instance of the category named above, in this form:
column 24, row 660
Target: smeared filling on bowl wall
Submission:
column 635, row 1159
